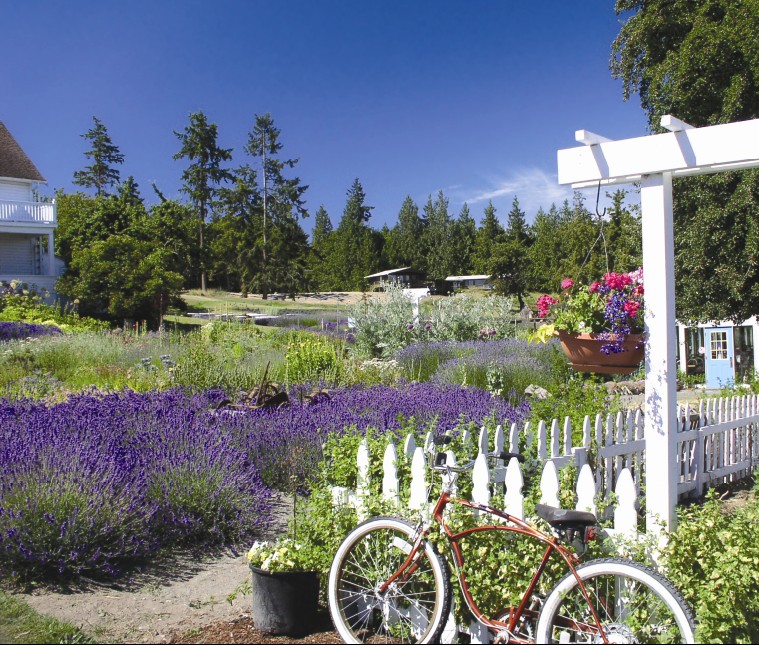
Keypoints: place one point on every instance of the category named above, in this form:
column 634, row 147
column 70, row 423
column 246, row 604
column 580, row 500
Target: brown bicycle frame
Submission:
column 409, row 566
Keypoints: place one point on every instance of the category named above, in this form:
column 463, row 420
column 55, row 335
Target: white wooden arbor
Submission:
column 653, row 161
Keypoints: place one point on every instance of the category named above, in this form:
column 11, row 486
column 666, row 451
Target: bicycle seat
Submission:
column 563, row 519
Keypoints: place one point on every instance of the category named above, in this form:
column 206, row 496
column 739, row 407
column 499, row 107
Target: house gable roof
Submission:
column 13, row 160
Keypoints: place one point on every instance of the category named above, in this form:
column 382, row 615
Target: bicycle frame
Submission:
column 513, row 525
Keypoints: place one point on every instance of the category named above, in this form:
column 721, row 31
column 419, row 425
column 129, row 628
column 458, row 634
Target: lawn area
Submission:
column 20, row 624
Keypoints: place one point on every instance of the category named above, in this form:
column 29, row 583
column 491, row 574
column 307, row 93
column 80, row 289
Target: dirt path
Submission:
column 169, row 598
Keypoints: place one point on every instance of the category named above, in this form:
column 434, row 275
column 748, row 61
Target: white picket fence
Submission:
column 717, row 442
column 508, row 479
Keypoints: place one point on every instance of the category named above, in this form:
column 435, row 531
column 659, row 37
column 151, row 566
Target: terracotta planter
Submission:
column 584, row 352
column 284, row 603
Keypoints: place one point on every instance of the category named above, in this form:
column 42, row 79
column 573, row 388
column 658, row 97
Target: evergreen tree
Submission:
column 438, row 238
column 281, row 198
column 509, row 268
column 624, row 236
column 354, row 253
column 105, row 155
column 516, row 228
column 545, row 253
column 463, row 240
column 489, row 236
column 403, row 241
column 205, row 174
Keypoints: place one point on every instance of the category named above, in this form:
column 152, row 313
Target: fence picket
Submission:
column 586, row 490
column 625, row 515
column 514, row 499
column 549, row 485
column 390, row 475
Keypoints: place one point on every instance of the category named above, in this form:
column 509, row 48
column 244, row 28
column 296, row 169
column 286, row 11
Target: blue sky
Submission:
column 412, row 97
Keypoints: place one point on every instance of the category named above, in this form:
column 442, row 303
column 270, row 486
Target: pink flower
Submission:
column 544, row 304
column 631, row 308
column 594, row 286
column 567, row 283
column 617, row 281
column 636, row 276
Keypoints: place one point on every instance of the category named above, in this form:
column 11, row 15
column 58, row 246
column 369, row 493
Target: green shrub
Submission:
column 714, row 557
column 314, row 358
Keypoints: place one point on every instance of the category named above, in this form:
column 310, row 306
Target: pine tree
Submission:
column 204, row 176
column 489, row 236
column 282, row 198
column 438, row 238
column 105, row 155
column 403, row 241
column 355, row 254
column 463, row 240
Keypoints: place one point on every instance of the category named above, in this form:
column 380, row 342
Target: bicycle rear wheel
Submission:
column 413, row 609
column 634, row 604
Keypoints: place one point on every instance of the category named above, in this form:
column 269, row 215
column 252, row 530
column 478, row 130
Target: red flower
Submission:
column 594, row 287
column 631, row 308
column 567, row 283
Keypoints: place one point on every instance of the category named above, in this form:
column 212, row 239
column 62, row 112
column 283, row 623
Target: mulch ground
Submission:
column 242, row 630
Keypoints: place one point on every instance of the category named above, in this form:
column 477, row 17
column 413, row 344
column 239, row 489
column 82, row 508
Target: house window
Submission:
column 718, row 345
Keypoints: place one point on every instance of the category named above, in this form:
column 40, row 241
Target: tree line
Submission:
column 240, row 229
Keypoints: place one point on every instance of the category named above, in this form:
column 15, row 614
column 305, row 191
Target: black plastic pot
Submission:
column 284, row 603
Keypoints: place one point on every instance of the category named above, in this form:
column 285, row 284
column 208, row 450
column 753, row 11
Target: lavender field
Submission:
column 103, row 480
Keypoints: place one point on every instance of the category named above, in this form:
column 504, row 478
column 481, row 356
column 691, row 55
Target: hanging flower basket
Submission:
column 584, row 352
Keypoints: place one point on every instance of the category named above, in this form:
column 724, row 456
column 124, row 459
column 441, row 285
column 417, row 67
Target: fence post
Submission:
column 586, row 490
column 362, row 481
column 418, row 487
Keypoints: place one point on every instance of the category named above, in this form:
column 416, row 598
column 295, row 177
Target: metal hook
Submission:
column 598, row 196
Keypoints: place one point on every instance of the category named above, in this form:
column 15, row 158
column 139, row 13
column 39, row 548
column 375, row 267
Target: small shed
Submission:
column 405, row 277
column 724, row 351
column 464, row 281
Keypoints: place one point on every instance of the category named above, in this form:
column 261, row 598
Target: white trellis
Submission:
column 653, row 161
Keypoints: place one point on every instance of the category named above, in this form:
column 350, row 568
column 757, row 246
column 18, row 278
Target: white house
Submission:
column 27, row 224
column 463, row 281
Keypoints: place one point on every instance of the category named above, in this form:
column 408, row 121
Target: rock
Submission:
column 537, row 392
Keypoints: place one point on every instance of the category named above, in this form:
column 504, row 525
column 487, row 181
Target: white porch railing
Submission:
column 28, row 212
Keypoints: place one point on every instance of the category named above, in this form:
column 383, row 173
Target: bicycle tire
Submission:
column 634, row 603
column 414, row 610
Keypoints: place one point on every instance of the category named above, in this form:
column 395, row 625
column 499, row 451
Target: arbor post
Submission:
column 661, row 342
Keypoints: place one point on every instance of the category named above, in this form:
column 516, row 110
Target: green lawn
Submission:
column 19, row 623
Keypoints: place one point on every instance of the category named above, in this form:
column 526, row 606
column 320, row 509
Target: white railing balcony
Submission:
column 43, row 213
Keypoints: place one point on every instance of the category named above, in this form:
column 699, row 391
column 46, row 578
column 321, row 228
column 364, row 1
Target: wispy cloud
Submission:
column 532, row 186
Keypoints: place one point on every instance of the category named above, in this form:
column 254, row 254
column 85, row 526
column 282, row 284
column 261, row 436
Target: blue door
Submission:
column 720, row 368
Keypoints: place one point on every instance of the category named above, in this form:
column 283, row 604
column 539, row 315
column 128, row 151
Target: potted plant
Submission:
column 600, row 325
column 284, row 589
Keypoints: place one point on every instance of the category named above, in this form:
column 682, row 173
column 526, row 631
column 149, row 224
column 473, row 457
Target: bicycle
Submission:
column 389, row 583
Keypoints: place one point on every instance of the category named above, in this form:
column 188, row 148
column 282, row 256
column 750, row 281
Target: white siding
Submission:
column 17, row 254
column 15, row 191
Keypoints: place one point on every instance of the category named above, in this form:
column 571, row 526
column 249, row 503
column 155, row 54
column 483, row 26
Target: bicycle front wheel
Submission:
column 412, row 609
column 633, row 604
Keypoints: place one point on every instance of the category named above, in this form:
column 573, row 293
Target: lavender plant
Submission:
column 21, row 331
column 499, row 366
column 104, row 479
column 101, row 480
